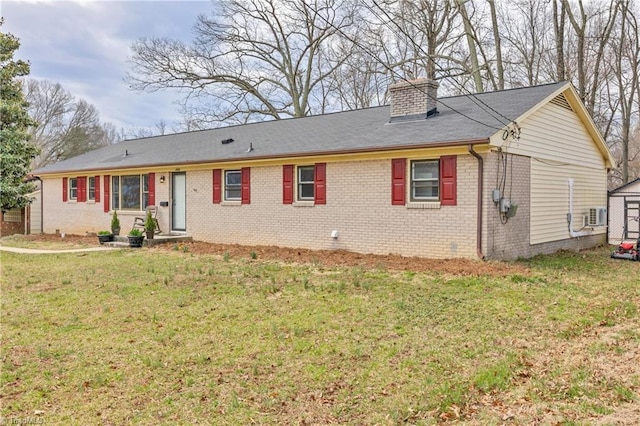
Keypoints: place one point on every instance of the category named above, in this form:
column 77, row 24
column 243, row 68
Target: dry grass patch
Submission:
column 49, row 241
column 177, row 337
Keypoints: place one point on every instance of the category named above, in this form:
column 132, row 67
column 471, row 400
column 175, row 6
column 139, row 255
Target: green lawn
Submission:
column 169, row 337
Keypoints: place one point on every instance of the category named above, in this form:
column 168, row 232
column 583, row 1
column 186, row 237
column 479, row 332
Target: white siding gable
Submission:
column 554, row 133
column 560, row 148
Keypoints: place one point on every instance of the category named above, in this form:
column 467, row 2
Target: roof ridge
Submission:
column 232, row 126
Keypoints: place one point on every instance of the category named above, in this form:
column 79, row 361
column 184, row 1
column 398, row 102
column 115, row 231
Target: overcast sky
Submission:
column 84, row 45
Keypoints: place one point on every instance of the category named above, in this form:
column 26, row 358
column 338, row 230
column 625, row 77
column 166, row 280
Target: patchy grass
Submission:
column 175, row 337
column 52, row 242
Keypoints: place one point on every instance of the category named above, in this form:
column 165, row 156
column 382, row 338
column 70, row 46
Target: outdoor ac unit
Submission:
column 597, row 216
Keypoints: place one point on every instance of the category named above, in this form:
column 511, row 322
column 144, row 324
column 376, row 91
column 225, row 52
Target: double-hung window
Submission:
column 428, row 181
column 73, row 188
column 79, row 189
column 91, row 188
column 232, row 185
column 425, row 180
column 306, row 183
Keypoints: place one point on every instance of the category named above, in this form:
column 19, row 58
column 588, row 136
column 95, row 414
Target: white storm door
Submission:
column 179, row 202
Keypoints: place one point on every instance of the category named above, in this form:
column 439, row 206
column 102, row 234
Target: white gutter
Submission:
column 573, row 233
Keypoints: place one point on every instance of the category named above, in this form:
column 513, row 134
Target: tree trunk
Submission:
column 496, row 39
column 475, row 67
column 558, row 27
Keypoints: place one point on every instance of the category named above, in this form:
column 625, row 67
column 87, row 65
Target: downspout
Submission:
column 480, row 196
column 572, row 233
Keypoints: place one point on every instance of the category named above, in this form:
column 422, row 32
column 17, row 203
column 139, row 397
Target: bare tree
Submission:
column 525, row 28
column 626, row 87
column 66, row 126
column 471, row 43
column 592, row 29
column 261, row 59
column 559, row 19
column 361, row 81
column 418, row 38
column 251, row 60
column 498, row 44
column 158, row 129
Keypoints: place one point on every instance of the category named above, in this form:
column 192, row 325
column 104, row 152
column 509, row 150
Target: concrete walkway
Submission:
column 40, row 251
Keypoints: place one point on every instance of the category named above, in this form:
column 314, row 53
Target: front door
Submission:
column 178, row 201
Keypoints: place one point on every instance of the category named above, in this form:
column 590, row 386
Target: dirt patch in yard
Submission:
column 331, row 258
column 326, row 258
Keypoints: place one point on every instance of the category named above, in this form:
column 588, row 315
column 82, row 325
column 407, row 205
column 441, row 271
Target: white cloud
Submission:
column 84, row 45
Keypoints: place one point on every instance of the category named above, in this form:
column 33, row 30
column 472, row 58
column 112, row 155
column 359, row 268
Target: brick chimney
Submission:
column 413, row 97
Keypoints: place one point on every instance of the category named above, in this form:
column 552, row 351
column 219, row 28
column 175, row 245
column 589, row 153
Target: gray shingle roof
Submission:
column 622, row 188
column 460, row 118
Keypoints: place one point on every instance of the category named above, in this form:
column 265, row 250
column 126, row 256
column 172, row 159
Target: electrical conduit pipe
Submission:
column 573, row 233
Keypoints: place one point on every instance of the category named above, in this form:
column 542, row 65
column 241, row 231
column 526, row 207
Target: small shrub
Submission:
column 149, row 223
column 136, row 233
column 115, row 222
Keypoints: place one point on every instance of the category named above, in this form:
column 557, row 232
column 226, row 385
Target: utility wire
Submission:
column 400, row 77
column 469, row 94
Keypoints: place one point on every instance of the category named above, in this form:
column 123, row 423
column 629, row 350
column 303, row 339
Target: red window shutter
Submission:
column 84, row 188
column 217, row 186
column 319, row 183
column 96, row 188
column 398, row 181
column 81, row 194
column 65, row 190
column 448, row 191
column 151, row 181
column 107, row 181
column 246, row 185
column 287, row 184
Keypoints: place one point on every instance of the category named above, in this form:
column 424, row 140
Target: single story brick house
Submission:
column 497, row 175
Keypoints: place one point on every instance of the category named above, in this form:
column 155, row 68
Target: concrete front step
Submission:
column 122, row 241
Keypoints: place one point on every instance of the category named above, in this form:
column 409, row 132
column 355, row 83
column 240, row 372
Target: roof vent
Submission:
column 226, row 141
column 561, row 101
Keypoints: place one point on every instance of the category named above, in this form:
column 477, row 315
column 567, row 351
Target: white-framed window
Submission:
column 91, row 188
column 145, row 191
column 232, row 185
column 130, row 192
column 425, row 180
column 73, row 188
column 305, row 184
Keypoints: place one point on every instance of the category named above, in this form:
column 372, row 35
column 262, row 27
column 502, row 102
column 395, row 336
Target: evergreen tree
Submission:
column 16, row 152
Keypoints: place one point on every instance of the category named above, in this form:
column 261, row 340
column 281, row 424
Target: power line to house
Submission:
column 401, row 77
column 472, row 96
